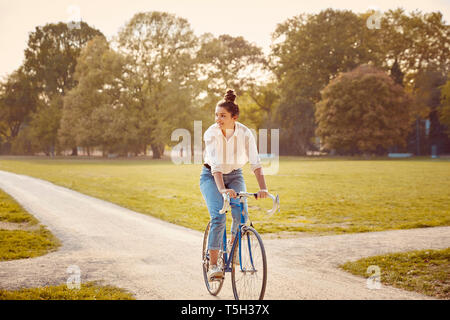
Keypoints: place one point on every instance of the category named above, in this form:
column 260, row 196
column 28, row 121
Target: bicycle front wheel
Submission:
column 213, row 286
column 249, row 273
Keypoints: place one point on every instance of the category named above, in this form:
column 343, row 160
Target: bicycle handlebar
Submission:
column 226, row 201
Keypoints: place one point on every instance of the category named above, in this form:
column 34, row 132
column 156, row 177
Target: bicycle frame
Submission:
column 227, row 260
column 250, row 256
column 227, row 202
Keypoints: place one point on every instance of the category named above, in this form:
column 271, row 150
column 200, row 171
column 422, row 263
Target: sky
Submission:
column 255, row 20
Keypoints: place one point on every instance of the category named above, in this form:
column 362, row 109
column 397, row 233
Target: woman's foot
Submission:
column 215, row 272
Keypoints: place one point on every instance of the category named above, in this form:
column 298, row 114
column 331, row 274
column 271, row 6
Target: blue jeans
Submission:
column 214, row 201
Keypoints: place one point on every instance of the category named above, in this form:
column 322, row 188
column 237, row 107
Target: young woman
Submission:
column 229, row 146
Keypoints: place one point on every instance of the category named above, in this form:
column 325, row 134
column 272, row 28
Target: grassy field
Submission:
column 21, row 236
column 87, row 291
column 425, row 271
column 318, row 195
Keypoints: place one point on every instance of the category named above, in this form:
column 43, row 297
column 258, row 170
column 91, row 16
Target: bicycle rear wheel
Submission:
column 215, row 286
column 249, row 274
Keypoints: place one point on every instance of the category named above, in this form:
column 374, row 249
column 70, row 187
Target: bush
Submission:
column 363, row 111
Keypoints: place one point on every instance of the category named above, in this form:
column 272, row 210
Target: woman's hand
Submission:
column 231, row 192
column 262, row 194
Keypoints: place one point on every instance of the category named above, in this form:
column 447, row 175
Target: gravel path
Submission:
column 157, row 260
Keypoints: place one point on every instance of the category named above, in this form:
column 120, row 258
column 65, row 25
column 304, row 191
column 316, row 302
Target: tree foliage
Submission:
column 51, row 55
column 444, row 109
column 160, row 48
column 93, row 109
column 18, row 99
column 312, row 51
column 50, row 61
column 44, row 125
column 414, row 42
column 363, row 111
column 228, row 62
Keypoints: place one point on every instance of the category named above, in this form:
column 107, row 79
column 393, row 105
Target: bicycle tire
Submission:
column 213, row 287
column 251, row 267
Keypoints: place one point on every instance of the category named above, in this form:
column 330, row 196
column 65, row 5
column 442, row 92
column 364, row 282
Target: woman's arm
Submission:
column 262, row 193
column 218, row 178
column 255, row 164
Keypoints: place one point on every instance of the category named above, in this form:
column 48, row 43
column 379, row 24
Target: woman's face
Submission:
column 224, row 119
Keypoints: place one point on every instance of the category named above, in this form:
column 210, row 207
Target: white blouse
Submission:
column 225, row 155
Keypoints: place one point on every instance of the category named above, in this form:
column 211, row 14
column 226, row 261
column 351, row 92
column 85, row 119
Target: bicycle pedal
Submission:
column 216, row 278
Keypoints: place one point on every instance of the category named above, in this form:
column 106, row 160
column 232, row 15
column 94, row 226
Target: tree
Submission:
column 413, row 43
column 308, row 51
column 363, row 111
column 91, row 107
column 415, row 48
column 51, row 55
column 444, row 109
column 50, row 59
column 229, row 62
column 44, row 125
column 161, row 51
column 427, row 95
column 295, row 118
column 226, row 62
column 18, row 99
column 316, row 48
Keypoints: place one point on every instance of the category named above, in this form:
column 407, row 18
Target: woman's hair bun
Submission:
column 228, row 103
column 230, row 96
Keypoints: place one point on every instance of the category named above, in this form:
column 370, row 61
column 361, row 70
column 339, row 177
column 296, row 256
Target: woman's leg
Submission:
column 237, row 183
column 214, row 202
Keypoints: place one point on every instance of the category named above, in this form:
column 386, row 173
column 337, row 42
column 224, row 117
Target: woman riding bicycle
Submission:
column 229, row 146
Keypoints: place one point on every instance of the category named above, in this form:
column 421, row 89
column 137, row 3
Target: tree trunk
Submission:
column 74, row 151
column 158, row 150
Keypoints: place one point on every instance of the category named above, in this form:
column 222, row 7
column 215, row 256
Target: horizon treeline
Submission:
column 332, row 82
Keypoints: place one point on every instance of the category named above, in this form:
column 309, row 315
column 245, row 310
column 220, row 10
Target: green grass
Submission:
column 87, row 291
column 425, row 271
column 21, row 244
column 11, row 211
column 318, row 195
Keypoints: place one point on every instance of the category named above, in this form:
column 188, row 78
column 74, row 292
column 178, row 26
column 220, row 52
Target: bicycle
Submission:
column 250, row 278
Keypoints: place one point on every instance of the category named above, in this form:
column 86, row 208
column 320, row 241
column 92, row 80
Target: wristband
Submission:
column 263, row 190
column 223, row 190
